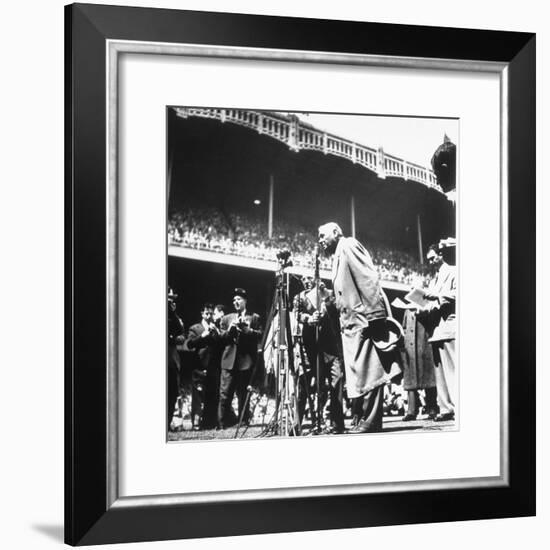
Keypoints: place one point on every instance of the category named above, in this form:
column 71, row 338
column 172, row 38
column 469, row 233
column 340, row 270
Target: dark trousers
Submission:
column 173, row 391
column 173, row 383
column 334, row 373
column 233, row 382
column 304, row 364
column 198, row 391
column 413, row 406
column 331, row 386
column 369, row 409
column 211, row 398
column 205, row 391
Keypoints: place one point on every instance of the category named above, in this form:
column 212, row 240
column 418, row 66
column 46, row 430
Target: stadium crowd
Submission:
column 242, row 235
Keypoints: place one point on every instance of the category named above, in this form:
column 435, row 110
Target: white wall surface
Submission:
column 31, row 233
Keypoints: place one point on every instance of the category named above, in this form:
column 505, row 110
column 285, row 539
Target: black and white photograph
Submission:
column 188, row 187
column 312, row 277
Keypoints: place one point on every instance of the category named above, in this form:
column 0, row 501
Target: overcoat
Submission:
column 418, row 362
column 358, row 298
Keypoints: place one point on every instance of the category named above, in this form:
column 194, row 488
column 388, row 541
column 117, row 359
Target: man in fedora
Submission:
column 240, row 333
column 369, row 337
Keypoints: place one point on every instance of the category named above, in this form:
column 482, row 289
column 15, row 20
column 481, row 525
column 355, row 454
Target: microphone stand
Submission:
column 317, row 350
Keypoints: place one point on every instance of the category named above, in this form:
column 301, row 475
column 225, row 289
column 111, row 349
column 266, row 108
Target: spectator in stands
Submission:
column 208, row 229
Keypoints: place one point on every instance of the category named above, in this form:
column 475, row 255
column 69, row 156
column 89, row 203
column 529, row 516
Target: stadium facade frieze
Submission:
column 300, row 136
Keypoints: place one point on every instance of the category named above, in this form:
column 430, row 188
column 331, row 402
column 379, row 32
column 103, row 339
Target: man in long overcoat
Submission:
column 418, row 366
column 363, row 314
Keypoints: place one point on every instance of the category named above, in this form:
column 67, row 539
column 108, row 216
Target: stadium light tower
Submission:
column 270, row 211
column 419, row 233
column 352, row 207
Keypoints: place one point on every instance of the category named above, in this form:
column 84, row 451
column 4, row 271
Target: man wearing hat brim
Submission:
column 370, row 357
column 240, row 333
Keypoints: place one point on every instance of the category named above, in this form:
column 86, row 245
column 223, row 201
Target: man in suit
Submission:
column 240, row 334
column 175, row 333
column 204, row 339
column 369, row 363
column 219, row 312
column 440, row 313
column 315, row 309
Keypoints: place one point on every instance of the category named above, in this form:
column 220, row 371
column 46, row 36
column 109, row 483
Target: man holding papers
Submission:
column 440, row 314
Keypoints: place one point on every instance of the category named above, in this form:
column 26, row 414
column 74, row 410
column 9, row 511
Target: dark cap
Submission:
column 171, row 294
column 240, row 292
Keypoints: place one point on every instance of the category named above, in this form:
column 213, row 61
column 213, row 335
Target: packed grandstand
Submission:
column 243, row 235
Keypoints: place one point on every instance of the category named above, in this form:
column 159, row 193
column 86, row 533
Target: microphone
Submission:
column 317, row 262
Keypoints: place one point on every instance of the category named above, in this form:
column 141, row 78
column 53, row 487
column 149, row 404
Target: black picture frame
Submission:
column 93, row 514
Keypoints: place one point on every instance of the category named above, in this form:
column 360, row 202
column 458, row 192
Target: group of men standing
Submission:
column 348, row 330
column 226, row 348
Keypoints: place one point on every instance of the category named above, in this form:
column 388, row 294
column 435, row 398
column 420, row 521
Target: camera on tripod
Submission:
column 283, row 257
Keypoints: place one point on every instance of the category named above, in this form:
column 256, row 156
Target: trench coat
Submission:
column 418, row 361
column 359, row 300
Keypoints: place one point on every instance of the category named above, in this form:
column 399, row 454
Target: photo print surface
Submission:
column 312, row 277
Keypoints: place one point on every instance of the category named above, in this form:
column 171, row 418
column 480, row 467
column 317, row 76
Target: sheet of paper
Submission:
column 400, row 304
column 416, row 295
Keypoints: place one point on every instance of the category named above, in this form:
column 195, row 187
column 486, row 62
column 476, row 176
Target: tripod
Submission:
column 284, row 420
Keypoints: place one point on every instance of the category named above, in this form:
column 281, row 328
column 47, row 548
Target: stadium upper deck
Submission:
column 300, row 136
